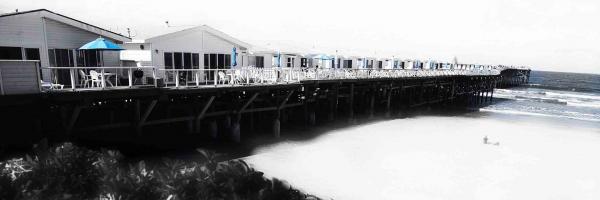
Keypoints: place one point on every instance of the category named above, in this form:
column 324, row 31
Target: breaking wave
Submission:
column 560, row 95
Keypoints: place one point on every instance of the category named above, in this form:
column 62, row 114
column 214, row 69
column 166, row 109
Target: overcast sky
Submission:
column 556, row 35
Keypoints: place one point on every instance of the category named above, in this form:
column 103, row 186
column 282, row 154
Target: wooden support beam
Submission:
column 205, row 108
column 285, row 100
column 248, row 103
column 277, row 121
column 142, row 120
column 235, row 128
column 202, row 113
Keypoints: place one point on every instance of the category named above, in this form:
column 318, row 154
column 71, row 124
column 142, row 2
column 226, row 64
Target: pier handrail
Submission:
column 73, row 73
column 258, row 76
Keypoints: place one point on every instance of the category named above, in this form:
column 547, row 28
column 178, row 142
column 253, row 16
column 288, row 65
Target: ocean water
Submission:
column 548, row 137
column 553, row 94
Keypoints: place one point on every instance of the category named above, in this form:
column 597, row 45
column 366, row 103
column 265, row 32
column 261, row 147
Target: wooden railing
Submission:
column 111, row 77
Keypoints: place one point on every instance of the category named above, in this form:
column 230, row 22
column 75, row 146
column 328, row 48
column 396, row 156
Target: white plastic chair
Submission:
column 95, row 78
column 222, row 77
column 85, row 79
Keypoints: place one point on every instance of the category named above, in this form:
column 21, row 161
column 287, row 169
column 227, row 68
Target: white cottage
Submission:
column 53, row 39
column 200, row 47
column 366, row 63
column 351, row 62
column 266, row 58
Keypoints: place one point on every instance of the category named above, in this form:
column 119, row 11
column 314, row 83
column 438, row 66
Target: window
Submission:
column 177, row 60
column 213, row 61
column 227, row 60
column 339, row 60
column 380, row 64
column 51, row 58
column 206, row 66
column 347, row 63
column 187, row 60
column 168, row 60
column 260, row 61
column 61, row 58
column 221, row 61
column 196, row 61
column 10, row 53
column 291, row 61
column 303, row 62
column 217, row 61
column 32, row 54
column 187, row 64
column 87, row 58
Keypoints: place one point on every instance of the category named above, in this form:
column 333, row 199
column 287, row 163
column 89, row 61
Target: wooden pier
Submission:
column 227, row 113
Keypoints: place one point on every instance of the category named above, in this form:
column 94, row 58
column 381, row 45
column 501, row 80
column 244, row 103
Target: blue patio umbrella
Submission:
column 278, row 59
column 234, row 57
column 101, row 44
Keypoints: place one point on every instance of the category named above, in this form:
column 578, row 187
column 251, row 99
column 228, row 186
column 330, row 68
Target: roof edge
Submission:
column 63, row 16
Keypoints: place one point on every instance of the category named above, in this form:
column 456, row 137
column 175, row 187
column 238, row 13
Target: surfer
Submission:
column 485, row 140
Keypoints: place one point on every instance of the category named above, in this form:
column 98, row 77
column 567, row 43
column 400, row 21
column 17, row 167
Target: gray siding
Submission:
column 21, row 31
column 19, row 77
column 64, row 36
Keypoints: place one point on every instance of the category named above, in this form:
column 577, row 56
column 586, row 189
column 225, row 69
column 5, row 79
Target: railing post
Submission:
column 198, row 78
column 102, row 78
column 287, row 76
column 130, row 76
column 154, row 76
column 176, row 78
column 216, row 77
column 232, row 76
column 72, row 73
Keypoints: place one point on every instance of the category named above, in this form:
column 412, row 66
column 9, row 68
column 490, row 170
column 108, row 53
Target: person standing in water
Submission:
column 485, row 140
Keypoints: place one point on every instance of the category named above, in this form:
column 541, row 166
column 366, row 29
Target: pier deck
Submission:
column 226, row 111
